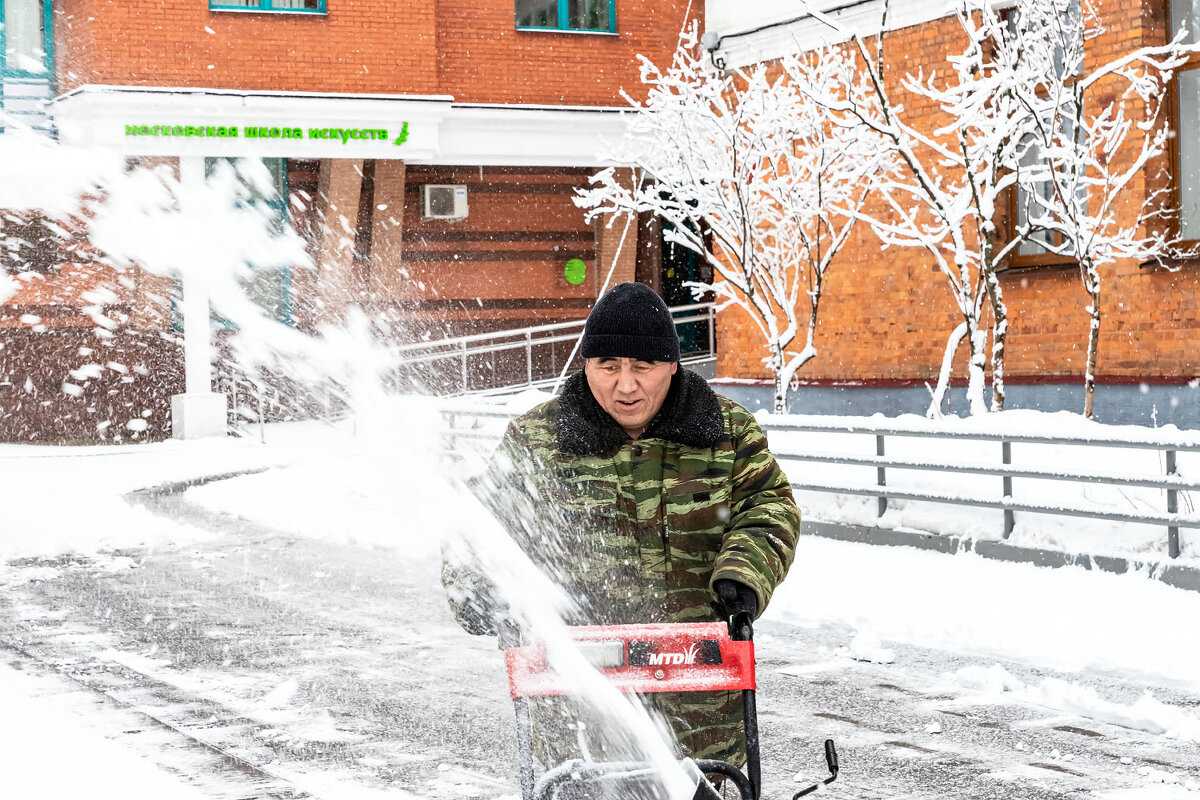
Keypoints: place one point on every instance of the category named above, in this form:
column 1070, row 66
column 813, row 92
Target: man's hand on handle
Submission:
column 735, row 600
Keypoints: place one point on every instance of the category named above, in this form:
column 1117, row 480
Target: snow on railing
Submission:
column 473, row 430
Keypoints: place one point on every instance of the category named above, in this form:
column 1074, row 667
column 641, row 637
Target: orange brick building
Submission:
column 511, row 101
column 886, row 315
column 356, row 107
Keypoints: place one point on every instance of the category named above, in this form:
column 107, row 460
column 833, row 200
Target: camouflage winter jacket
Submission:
column 636, row 531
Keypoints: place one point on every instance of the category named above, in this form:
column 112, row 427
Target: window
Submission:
column 1028, row 200
column 585, row 16
column 301, row 6
column 24, row 37
column 265, row 182
column 1031, row 201
column 264, row 186
column 1029, row 204
column 1187, row 118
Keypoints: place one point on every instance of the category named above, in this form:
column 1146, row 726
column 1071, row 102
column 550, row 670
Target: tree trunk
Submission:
column 939, row 391
column 1089, row 381
column 999, row 337
column 777, row 364
column 976, row 368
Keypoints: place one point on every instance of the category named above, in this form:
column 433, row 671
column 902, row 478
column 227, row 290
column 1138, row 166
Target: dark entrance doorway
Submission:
column 680, row 268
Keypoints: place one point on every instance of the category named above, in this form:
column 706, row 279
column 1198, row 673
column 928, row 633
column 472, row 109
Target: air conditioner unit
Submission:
column 443, row 201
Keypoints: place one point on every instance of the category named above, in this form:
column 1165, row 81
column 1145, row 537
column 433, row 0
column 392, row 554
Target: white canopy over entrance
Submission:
column 415, row 129
column 197, row 123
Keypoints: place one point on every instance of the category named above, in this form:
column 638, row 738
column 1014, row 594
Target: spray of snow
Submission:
column 213, row 234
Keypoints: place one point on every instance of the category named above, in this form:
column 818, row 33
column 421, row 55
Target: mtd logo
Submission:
column 702, row 653
column 675, row 658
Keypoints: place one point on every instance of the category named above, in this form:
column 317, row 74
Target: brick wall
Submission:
column 505, row 261
column 358, row 46
column 470, row 50
column 75, row 385
column 886, row 314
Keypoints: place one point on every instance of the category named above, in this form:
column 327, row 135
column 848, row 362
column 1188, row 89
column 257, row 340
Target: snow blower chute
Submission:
column 692, row 657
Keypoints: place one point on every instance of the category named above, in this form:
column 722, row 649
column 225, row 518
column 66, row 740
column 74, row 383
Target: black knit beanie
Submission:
column 631, row 321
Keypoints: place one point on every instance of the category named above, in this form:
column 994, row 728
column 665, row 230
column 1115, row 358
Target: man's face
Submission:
column 630, row 391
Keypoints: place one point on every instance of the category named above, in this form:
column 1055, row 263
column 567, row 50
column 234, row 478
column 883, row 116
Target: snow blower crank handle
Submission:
column 831, row 760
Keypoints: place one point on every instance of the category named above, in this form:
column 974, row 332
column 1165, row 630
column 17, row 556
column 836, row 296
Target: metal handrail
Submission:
column 1145, row 443
column 549, row 383
column 461, row 349
column 491, row 348
column 457, row 341
column 1149, row 481
column 1181, row 520
column 1170, row 482
column 495, row 348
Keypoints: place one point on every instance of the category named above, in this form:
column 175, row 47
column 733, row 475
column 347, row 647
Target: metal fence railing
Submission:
column 523, row 357
column 475, row 430
column 1169, row 481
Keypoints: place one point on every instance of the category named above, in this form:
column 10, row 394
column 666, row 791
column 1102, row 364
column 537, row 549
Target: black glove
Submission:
column 480, row 611
column 735, row 600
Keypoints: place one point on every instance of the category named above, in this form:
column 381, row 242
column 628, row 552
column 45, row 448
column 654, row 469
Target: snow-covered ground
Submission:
column 49, row 748
column 959, row 636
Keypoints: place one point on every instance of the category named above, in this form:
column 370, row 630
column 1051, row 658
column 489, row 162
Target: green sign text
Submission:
column 344, row 135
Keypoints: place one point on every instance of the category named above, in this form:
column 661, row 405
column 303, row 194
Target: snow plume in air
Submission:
column 43, row 187
column 531, row 595
column 216, row 233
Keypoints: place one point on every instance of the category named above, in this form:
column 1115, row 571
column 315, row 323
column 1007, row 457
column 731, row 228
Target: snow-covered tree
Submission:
column 1089, row 151
column 953, row 179
column 752, row 177
column 1016, row 118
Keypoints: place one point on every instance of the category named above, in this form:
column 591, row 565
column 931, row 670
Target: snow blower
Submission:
column 699, row 657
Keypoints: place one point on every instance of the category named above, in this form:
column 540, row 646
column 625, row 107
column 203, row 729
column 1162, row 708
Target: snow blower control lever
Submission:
column 646, row 659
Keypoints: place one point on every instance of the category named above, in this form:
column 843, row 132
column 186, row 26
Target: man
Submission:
column 647, row 496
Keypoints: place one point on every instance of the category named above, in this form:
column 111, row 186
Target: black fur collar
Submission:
column 691, row 415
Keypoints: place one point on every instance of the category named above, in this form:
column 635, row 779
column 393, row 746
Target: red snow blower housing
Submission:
column 644, row 659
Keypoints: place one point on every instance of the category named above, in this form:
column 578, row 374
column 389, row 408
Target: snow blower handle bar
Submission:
column 643, row 659
column 741, row 629
column 647, row 659
column 741, row 626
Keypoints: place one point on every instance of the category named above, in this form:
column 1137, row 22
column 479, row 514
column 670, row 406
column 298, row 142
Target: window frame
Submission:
column 563, row 14
column 47, row 72
column 1173, row 111
column 1018, row 260
column 264, row 7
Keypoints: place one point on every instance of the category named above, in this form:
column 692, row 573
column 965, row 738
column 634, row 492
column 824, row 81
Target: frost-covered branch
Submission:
column 749, row 174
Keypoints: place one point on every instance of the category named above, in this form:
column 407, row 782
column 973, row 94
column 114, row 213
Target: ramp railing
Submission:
column 526, row 357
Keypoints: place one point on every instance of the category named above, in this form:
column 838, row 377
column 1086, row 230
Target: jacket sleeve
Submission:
column 475, row 601
column 764, row 521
